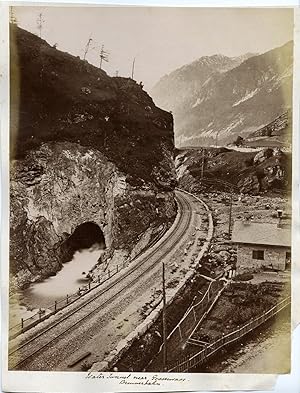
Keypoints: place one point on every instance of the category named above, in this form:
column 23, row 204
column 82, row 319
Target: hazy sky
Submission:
column 161, row 39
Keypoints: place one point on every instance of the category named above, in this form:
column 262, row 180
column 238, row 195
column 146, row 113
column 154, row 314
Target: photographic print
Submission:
column 150, row 190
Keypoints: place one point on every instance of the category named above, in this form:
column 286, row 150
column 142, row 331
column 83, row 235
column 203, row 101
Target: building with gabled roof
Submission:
column 262, row 245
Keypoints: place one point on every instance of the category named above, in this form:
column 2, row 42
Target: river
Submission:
column 65, row 282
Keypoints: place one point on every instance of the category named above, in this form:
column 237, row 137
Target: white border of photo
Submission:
column 20, row 381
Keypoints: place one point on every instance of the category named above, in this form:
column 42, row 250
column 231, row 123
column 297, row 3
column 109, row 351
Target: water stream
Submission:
column 65, row 282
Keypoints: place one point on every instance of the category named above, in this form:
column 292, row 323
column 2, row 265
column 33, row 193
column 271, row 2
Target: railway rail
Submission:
column 22, row 354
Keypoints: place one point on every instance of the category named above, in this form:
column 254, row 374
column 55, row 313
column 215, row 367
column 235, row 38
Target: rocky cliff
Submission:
column 252, row 172
column 86, row 148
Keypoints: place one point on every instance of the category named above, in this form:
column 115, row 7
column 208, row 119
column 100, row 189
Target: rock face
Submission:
column 262, row 155
column 249, row 172
column 277, row 133
column 218, row 104
column 179, row 90
column 87, row 149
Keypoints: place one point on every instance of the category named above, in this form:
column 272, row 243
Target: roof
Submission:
column 249, row 232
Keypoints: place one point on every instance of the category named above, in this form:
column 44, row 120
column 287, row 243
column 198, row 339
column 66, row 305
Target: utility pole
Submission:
column 117, row 73
column 228, row 187
column 164, row 319
column 202, row 164
column 132, row 70
column 230, row 212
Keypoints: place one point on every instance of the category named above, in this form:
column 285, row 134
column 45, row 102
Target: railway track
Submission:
column 21, row 355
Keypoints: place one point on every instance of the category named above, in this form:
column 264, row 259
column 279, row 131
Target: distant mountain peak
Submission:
column 173, row 89
column 221, row 97
column 246, row 56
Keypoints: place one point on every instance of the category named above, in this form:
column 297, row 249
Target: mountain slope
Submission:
column 238, row 101
column 278, row 133
column 181, row 87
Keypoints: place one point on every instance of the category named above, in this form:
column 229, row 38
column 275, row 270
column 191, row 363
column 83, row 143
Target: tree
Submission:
column 132, row 69
column 40, row 21
column 87, row 47
column 103, row 56
column 12, row 16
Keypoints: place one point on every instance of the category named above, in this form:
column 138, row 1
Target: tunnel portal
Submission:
column 86, row 235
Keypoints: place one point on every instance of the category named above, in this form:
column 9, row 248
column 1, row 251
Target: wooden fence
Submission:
column 188, row 362
column 193, row 315
column 191, row 320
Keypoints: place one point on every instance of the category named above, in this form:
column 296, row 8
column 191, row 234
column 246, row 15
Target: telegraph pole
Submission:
column 202, row 164
column 230, row 212
column 228, row 187
column 164, row 319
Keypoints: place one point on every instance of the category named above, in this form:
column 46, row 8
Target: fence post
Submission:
column 117, row 268
column 55, row 305
column 180, row 332
column 108, row 273
column 89, row 284
column 99, row 279
column 40, row 314
column 22, row 323
column 194, row 314
column 67, row 299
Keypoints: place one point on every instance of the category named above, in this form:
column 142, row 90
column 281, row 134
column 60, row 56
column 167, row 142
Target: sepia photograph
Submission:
column 150, row 190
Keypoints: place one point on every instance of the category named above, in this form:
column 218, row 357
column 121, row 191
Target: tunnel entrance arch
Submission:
column 84, row 236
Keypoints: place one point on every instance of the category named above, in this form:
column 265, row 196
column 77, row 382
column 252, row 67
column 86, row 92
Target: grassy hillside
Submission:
column 58, row 97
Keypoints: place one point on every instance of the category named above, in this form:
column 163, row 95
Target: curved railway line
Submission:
column 25, row 352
